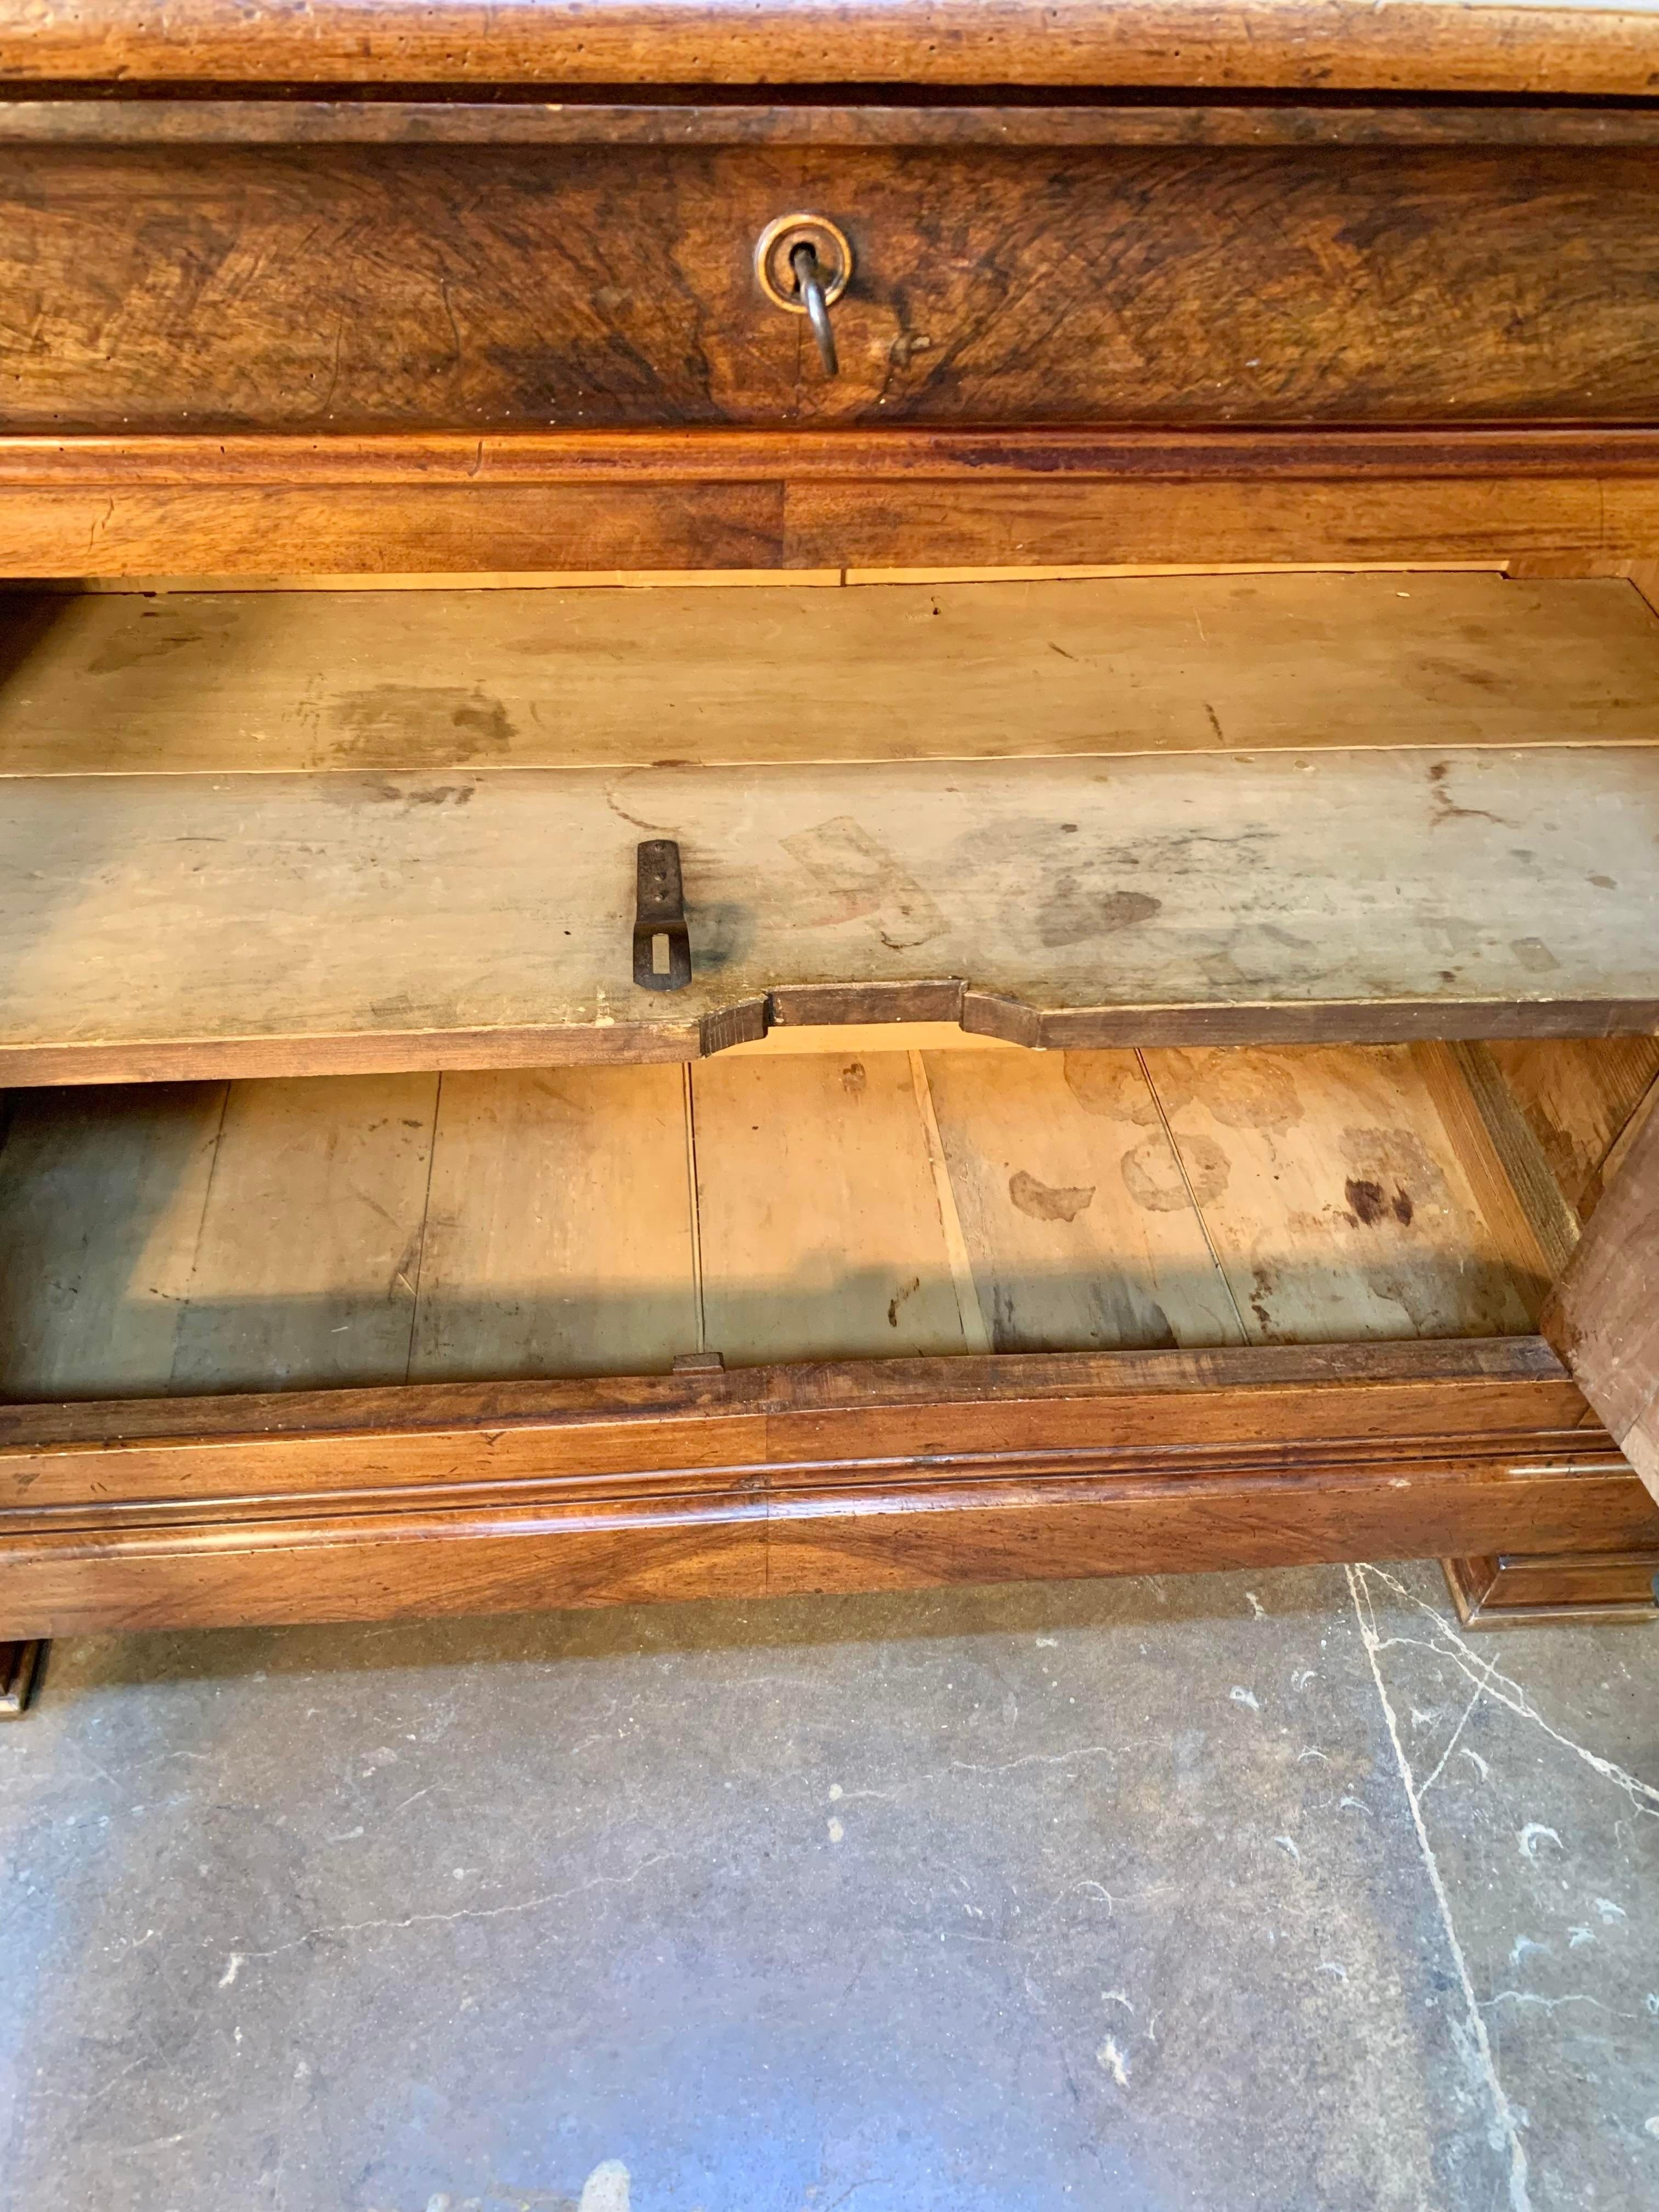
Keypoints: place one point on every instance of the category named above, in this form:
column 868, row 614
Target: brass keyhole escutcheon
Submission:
column 776, row 269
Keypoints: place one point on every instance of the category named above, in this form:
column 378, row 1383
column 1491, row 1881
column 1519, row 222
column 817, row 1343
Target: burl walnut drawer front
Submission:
column 357, row 287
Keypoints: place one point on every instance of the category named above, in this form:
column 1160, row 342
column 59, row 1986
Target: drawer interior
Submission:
column 264, row 833
column 776, row 1205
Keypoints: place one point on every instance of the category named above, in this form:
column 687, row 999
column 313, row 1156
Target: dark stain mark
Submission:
column 1366, row 1201
column 133, row 649
column 1370, row 1203
column 1533, row 955
column 898, row 1299
column 1215, row 722
column 1047, row 1201
column 1446, row 808
column 862, row 880
column 1604, row 883
column 418, row 725
column 1072, row 913
column 1062, row 651
column 853, row 1080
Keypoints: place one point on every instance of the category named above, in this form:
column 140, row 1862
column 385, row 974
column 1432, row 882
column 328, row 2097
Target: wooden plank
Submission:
column 1079, row 1230
column 1336, row 1201
column 410, row 919
column 1435, row 45
column 309, row 1253
column 820, row 1228
column 1576, row 1096
column 101, row 1199
column 195, row 682
column 871, row 1475
column 762, row 121
column 559, row 1230
column 1520, row 1201
column 1603, row 1317
column 252, row 504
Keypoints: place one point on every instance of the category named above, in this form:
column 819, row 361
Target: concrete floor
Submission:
column 1236, row 1890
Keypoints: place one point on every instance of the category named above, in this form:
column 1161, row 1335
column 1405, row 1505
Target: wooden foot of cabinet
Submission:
column 1509, row 1590
column 19, row 1664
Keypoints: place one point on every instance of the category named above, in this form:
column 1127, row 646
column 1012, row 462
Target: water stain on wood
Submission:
column 1075, row 911
column 1153, row 1178
column 864, row 881
column 1370, row 1203
column 1111, row 1086
column 1047, row 1201
column 403, row 724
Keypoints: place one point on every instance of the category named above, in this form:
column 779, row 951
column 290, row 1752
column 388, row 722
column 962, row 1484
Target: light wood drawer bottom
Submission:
column 355, row 1347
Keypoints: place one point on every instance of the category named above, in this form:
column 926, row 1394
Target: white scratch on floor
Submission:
column 1523, row 1944
column 234, row 1967
column 1116, row 1996
column 1509, row 2130
column 1610, row 1911
column 463, row 1912
column 1257, row 1609
column 1114, row 2062
column 1311, row 1753
column 1240, row 1696
column 1475, row 1756
column 1330, row 1966
column 1285, row 1844
column 836, row 1831
column 1576, row 1937
column 1483, row 1675
column 1534, row 1834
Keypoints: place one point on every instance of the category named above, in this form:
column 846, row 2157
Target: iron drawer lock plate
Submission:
column 662, row 943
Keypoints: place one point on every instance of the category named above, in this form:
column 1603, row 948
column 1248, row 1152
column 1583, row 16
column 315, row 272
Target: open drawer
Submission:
column 369, row 1346
column 373, row 1246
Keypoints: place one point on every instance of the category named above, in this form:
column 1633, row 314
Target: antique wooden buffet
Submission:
column 810, row 797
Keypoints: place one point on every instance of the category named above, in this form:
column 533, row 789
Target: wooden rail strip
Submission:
column 717, row 119
column 1408, row 45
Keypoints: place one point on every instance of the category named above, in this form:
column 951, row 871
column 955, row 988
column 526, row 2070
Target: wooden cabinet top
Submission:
column 1573, row 47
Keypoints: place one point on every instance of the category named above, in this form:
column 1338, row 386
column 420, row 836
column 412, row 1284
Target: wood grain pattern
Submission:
column 1603, row 1317
column 278, row 1509
column 1335, row 1199
column 101, row 1198
column 1577, row 1098
column 439, row 504
column 305, row 1263
column 1514, row 1590
column 819, row 1223
column 345, row 289
column 1435, row 44
column 412, row 921
column 559, row 1227
column 764, row 119
column 1054, row 1161
column 122, row 683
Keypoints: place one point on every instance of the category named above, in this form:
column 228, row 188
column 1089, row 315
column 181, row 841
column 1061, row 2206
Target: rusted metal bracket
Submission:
column 662, row 943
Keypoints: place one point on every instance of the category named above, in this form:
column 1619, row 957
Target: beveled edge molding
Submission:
column 1432, row 45
column 398, row 1502
column 430, row 459
column 770, row 118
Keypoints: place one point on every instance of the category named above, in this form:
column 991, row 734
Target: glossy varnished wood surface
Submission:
column 255, row 506
column 436, row 286
column 379, row 1505
column 1436, row 45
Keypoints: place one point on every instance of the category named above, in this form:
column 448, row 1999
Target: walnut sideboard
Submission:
column 1119, row 543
